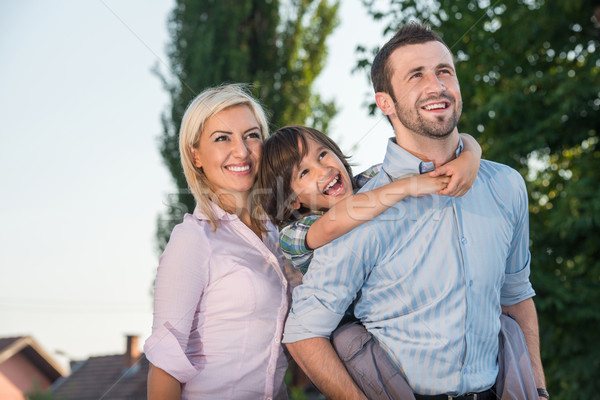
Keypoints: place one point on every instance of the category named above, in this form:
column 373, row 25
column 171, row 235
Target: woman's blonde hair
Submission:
column 204, row 106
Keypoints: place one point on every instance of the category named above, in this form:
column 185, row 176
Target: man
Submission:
column 431, row 276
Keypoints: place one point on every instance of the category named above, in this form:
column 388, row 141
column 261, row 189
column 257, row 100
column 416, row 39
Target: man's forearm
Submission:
column 525, row 315
column 322, row 365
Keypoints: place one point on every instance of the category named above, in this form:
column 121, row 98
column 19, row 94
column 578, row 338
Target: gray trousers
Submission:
column 374, row 373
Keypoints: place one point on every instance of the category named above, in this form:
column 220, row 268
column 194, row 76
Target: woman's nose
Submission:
column 240, row 148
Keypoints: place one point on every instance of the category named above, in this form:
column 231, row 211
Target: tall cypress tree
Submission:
column 277, row 48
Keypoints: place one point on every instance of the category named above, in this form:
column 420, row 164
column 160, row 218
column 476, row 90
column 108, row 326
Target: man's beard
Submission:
column 411, row 118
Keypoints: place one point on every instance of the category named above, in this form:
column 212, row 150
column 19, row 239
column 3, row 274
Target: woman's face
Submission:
column 229, row 151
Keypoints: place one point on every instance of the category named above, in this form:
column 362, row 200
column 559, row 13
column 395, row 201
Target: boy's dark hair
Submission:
column 412, row 33
column 281, row 153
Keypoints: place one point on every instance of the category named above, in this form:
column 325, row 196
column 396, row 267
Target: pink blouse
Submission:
column 220, row 302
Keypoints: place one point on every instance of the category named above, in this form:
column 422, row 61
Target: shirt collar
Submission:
column 399, row 163
column 217, row 211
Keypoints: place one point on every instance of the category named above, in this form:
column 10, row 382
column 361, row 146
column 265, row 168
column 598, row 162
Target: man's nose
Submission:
column 434, row 84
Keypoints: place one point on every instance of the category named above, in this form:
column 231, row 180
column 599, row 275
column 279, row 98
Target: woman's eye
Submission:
column 221, row 138
column 323, row 154
column 254, row 135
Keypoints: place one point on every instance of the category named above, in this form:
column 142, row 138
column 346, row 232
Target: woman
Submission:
column 221, row 296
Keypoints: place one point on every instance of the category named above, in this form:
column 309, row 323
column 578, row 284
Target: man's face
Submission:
column 426, row 89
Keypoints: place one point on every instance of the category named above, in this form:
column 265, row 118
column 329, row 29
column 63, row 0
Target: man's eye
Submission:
column 417, row 75
column 445, row 71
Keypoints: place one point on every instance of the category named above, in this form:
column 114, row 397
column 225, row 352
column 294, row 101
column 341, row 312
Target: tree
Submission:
column 249, row 41
column 530, row 81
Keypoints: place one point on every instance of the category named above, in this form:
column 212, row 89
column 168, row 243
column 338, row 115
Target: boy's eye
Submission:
column 303, row 172
column 323, row 154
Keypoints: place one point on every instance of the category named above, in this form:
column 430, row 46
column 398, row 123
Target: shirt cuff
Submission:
column 314, row 320
column 516, row 288
column 162, row 349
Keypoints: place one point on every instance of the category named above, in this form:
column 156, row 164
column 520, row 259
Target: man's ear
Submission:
column 195, row 157
column 385, row 103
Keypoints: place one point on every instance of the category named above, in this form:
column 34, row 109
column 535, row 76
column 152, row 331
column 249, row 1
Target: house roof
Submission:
column 104, row 377
column 30, row 349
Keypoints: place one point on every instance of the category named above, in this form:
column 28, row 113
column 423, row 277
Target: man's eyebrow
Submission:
column 412, row 71
column 445, row 65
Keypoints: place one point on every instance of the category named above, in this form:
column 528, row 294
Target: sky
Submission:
column 81, row 175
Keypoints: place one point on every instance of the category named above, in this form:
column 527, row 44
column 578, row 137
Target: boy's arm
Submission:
column 462, row 170
column 355, row 210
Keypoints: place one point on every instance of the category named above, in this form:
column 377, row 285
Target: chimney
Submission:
column 132, row 353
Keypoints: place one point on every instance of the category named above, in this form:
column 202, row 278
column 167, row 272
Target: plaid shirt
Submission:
column 292, row 237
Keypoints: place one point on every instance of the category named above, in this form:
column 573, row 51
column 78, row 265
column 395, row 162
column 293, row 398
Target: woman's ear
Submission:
column 195, row 157
column 385, row 103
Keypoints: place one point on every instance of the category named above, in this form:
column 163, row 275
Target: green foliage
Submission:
column 529, row 73
column 278, row 48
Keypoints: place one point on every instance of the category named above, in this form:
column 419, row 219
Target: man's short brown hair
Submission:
column 413, row 33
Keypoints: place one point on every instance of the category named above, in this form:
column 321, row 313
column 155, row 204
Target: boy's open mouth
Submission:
column 335, row 187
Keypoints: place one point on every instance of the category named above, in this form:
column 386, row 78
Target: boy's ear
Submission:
column 295, row 204
column 385, row 103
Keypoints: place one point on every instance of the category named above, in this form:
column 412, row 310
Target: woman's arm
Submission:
column 162, row 386
column 355, row 210
column 462, row 170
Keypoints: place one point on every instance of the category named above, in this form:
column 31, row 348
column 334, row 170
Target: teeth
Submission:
column 435, row 106
column 333, row 182
column 239, row 169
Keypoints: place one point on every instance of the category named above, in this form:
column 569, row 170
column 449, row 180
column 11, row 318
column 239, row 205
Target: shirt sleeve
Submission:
column 181, row 278
column 517, row 286
column 365, row 176
column 292, row 239
column 336, row 274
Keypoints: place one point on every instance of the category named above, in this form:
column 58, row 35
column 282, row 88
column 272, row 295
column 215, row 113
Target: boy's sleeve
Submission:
column 292, row 239
column 365, row 176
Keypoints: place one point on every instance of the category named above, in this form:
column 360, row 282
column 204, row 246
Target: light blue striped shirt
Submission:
column 429, row 276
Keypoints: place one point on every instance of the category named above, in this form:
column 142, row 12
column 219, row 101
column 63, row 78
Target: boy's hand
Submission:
column 422, row 185
column 462, row 172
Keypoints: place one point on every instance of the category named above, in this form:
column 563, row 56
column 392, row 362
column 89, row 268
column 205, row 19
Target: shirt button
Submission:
column 277, row 340
column 271, row 370
column 471, row 282
column 268, row 398
column 463, row 240
column 284, row 282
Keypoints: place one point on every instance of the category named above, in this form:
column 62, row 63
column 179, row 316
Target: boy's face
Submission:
column 321, row 180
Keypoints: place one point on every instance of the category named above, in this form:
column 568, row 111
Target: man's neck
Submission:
column 438, row 151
